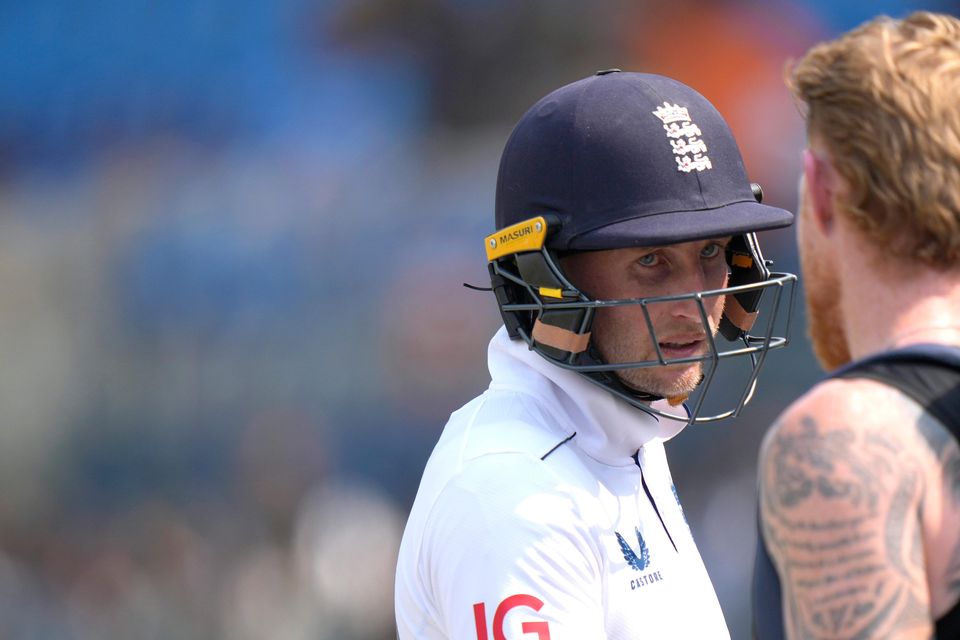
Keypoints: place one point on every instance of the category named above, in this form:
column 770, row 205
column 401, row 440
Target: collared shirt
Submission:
column 547, row 510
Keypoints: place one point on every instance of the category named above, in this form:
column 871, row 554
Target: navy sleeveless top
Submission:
column 930, row 375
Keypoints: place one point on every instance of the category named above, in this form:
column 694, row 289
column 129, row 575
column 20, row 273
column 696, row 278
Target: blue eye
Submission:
column 648, row 260
column 710, row 251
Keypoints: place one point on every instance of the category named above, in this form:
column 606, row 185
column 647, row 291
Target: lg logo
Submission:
column 542, row 629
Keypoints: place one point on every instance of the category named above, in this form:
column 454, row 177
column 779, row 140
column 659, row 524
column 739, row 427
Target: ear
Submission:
column 818, row 174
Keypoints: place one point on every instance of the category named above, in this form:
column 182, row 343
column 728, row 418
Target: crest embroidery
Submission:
column 691, row 151
column 638, row 562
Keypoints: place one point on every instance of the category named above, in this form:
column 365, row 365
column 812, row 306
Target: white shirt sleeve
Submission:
column 506, row 553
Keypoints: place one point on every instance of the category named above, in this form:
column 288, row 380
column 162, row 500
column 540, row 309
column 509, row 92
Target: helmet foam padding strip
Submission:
column 558, row 338
column 737, row 315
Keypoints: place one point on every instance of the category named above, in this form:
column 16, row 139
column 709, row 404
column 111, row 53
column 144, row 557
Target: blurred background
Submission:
column 232, row 241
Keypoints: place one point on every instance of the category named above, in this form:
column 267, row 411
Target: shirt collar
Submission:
column 608, row 428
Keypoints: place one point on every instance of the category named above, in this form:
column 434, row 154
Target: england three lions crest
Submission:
column 684, row 136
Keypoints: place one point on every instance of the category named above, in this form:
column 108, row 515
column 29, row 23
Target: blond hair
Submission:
column 885, row 100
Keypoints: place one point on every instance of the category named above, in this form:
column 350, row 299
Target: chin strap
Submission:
column 645, row 396
column 678, row 400
column 651, row 397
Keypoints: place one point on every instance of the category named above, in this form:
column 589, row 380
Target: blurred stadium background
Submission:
column 232, row 241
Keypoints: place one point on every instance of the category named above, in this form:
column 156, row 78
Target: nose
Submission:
column 689, row 309
column 695, row 280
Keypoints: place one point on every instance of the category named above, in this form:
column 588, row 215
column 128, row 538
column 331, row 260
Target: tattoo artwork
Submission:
column 840, row 519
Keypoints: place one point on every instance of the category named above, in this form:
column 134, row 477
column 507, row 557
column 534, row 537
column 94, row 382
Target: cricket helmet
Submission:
column 620, row 160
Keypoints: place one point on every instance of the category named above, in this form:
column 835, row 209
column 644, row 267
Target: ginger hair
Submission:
column 884, row 99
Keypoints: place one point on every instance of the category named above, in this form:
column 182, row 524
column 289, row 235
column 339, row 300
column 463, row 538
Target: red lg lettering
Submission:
column 542, row 629
column 480, row 619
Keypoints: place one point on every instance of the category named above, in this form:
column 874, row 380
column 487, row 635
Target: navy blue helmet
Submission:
column 620, row 160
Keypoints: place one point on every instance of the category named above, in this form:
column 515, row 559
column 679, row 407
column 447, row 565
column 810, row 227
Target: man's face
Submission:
column 822, row 288
column 621, row 333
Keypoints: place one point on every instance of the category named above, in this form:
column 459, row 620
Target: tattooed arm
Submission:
column 842, row 480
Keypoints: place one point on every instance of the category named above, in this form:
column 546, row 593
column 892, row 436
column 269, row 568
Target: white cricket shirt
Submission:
column 547, row 511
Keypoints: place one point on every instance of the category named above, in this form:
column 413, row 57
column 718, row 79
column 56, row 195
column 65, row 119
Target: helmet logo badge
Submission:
column 684, row 136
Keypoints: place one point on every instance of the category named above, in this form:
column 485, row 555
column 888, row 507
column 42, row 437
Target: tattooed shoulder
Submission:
column 840, row 489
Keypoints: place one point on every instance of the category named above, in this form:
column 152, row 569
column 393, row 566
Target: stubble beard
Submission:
column 667, row 381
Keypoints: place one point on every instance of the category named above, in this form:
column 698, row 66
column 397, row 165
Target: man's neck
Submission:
column 884, row 311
